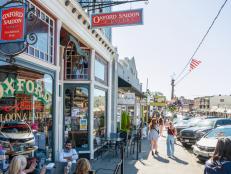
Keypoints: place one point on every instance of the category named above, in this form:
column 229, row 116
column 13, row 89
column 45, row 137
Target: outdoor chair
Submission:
column 101, row 147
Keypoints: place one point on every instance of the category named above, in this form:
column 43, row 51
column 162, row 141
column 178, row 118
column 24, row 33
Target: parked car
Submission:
column 189, row 136
column 186, row 124
column 18, row 133
column 205, row 147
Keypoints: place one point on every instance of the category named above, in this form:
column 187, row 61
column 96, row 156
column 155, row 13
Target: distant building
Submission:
column 201, row 103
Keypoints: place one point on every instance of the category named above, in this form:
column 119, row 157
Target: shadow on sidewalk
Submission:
column 161, row 159
column 180, row 161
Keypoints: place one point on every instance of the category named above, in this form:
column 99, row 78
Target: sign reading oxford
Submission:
column 12, row 24
column 9, row 87
column 119, row 18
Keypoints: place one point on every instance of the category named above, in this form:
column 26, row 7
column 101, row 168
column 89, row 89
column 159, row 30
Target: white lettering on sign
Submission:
column 10, row 86
column 12, row 14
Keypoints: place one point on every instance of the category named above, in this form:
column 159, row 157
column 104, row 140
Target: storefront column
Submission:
column 58, row 112
column 92, row 103
column 109, row 101
column 114, row 93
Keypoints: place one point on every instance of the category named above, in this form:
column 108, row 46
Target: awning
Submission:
column 128, row 87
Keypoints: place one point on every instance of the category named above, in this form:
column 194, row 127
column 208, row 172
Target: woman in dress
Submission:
column 153, row 135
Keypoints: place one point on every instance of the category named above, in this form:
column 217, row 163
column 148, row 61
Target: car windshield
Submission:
column 206, row 123
column 219, row 133
column 15, row 128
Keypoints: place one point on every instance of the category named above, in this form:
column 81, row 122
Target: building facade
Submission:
column 129, row 91
column 64, row 81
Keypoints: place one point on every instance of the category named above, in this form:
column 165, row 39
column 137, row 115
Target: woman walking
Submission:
column 153, row 135
column 170, row 140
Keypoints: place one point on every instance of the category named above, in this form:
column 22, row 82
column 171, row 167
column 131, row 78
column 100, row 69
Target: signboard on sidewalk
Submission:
column 119, row 18
column 12, row 22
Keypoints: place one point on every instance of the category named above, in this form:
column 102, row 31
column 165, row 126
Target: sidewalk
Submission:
column 184, row 163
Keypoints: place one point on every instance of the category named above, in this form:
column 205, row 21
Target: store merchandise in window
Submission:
column 76, row 117
column 26, row 112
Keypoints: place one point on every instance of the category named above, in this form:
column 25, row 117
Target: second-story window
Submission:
column 101, row 70
column 44, row 29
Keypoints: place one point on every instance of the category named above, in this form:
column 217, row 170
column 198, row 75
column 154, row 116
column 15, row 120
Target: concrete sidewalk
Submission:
column 184, row 163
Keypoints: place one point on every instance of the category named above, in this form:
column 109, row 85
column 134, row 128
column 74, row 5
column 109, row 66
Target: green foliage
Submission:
column 125, row 122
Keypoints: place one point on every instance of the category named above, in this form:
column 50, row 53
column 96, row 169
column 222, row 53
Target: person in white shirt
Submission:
column 68, row 154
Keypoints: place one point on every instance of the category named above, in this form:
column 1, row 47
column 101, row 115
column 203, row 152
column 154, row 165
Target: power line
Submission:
column 201, row 42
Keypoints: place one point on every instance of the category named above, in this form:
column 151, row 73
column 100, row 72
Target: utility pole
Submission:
column 173, row 85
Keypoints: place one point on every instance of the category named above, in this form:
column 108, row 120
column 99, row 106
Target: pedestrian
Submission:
column 83, row 166
column 171, row 133
column 68, row 154
column 220, row 163
column 153, row 135
column 161, row 124
column 18, row 166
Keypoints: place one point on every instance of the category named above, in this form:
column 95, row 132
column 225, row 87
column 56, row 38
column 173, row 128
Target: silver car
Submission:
column 205, row 147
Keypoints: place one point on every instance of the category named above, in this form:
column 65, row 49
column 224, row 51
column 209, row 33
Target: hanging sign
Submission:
column 119, row 18
column 12, row 22
column 127, row 99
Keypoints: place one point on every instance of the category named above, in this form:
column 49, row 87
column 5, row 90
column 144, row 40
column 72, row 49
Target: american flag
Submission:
column 194, row 63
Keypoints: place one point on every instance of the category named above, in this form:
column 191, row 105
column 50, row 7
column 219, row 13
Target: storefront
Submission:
column 85, row 96
column 26, row 111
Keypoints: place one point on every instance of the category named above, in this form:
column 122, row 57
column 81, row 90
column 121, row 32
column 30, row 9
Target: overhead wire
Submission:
column 199, row 45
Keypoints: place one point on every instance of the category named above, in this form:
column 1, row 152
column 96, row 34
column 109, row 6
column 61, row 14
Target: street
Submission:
column 184, row 163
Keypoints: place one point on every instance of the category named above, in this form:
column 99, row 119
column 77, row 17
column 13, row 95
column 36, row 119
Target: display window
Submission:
column 26, row 112
column 76, row 58
column 76, row 116
column 100, row 121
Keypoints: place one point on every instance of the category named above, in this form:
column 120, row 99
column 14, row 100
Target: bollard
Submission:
column 140, row 131
column 122, row 158
column 137, row 146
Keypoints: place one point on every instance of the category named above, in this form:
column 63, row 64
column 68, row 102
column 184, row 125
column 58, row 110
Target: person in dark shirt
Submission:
column 220, row 163
column 170, row 140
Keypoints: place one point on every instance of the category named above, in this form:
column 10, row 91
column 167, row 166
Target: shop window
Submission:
column 43, row 28
column 76, row 65
column 76, row 117
column 99, row 115
column 101, row 70
column 26, row 112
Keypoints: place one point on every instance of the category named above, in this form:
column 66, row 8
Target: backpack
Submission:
column 218, row 167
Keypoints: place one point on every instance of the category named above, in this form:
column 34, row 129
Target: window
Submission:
column 99, row 114
column 44, row 29
column 77, row 66
column 222, row 100
column 76, row 116
column 26, row 110
column 101, row 70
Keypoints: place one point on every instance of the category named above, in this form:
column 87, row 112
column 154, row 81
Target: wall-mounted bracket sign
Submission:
column 116, row 19
column 14, row 38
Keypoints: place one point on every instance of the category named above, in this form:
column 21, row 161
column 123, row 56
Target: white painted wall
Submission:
column 217, row 101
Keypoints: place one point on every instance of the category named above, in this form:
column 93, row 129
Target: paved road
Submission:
column 185, row 162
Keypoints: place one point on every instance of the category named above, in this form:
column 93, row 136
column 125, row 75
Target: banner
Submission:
column 12, row 22
column 119, row 18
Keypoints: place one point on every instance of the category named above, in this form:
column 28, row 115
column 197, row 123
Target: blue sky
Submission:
column 171, row 32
